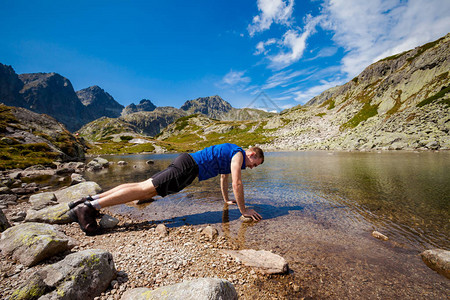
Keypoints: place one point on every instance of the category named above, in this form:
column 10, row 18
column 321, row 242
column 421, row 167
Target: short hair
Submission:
column 259, row 153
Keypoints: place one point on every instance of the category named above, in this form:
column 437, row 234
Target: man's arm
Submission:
column 224, row 188
column 238, row 187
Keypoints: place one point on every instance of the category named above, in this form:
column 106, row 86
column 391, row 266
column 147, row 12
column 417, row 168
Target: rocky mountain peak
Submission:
column 144, row 105
column 10, row 86
column 213, row 106
column 99, row 103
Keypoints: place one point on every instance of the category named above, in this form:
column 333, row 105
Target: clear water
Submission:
column 404, row 195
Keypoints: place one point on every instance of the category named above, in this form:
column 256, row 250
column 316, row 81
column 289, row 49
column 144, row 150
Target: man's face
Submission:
column 252, row 160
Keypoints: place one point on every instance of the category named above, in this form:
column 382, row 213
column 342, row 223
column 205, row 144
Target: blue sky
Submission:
column 173, row 51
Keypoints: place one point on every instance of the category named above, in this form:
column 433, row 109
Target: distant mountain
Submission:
column 10, row 87
column 144, row 105
column 99, row 103
column 152, row 122
column 53, row 94
column 213, row 107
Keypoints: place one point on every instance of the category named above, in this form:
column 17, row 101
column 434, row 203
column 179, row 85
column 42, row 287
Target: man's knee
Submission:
column 148, row 188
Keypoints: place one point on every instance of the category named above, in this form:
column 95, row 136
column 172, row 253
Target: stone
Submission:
column 97, row 163
column 122, row 163
column 202, row 288
column 78, row 191
column 162, row 230
column 42, row 200
column 8, row 199
column 379, row 236
column 246, row 219
column 210, row 232
column 30, row 243
column 56, row 214
column 76, row 179
column 263, row 261
column 4, row 224
column 150, row 162
column 108, row 222
column 438, row 260
column 81, row 275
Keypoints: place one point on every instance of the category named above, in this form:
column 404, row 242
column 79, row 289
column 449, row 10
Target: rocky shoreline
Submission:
column 144, row 254
column 140, row 257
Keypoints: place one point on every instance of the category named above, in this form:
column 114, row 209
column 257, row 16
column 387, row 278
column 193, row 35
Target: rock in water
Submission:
column 438, row 260
column 264, row 261
column 379, row 236
column 81, row 275
column 202, row 288
column 30, row 243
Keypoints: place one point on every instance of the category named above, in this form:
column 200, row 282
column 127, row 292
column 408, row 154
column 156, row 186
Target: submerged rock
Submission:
column 30, row 243
column 379, row 236
column 438, row 260
column 264, row 261
column 81, row 275
column 202, row 288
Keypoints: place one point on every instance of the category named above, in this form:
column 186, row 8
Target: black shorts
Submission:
column 178, row 175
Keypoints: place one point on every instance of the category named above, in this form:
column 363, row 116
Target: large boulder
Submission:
column 438, row 260
column 4, row 224
column 202, row 288
column 30, row 243
column 56, row 214
column 66, row 195
column 81, row 275
column 263, row 261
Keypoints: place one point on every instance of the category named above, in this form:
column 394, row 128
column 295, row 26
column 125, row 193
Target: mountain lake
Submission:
column 319, row 210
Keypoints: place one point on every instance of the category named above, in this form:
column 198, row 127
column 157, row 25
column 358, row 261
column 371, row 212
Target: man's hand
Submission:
column 250, row 213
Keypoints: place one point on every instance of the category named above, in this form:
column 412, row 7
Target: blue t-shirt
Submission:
column 216, row 160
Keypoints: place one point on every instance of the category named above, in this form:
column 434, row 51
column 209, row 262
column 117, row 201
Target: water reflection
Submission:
column 405, row 195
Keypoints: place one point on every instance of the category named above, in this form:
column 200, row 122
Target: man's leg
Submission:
column 125, row 193
column 85, row 213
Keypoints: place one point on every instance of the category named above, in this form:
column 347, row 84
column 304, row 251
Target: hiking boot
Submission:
column 85, row 214
column 72, row 204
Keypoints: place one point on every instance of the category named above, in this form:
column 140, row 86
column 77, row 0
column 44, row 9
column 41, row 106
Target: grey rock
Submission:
column 202, row 288
column 438, row 260
column 81, row 275
column 76, row 179
column 30, row 243
column 8, row 199
column 78, row 191
column 56, row 214
column 108, row 222
column 122, row 163
column 42, row 200
column 97, row 163
column 162, row 230
column 4, row 224
column 263, row 261
column 210, row 232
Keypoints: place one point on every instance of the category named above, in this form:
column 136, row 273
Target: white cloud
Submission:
column 261, row 46
column 282, row 79
column 371, row 30
column 271, row 11
column 235, row 78
column 294, row 44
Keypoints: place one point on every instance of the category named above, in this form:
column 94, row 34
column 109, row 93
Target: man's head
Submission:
column 254, row 157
